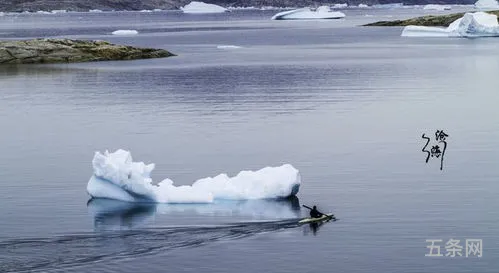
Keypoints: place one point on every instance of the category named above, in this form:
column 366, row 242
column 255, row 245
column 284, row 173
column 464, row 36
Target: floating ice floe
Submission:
column 487, row 5
column 95, row 11
column 391, row 6
column 471, row 25
column 322, row 12
column 436, row 7
column 243, row 8
column 228, row 47
column 201, row 7
column 125, row 32
column 340, row 6
column 276, row 8
column 363, row 6
column 59, row 11
column 116, row 176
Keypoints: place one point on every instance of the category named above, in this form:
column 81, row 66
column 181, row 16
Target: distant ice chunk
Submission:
column 146, row 11
column 340, row 6
column 487, row 5
column 157, row 10
column 125, row 32
column 43, row 12
column 95, row 11
column 471, row 25
column 391, row 6
column 116, row 176
column 422, row 31
column 436, row 7
column 363, row 6
column 243, row 8
column 273, row 8
column 228, row 47
column 322, row 12
column 59, row 11
column 201, row 7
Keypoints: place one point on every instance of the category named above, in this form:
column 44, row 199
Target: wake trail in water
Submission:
column 63, row 252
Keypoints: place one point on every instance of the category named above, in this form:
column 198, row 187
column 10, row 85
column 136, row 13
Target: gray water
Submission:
column 344, row 104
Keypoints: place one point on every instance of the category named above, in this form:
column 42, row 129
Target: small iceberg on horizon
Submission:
column 487, row 5
column 322, row 12
column 436, row 7
column 116, row 176
column 58, row 11
column 125, row 32
column 196, row 7
column 471, row 25
column 228, row 47
column 340, row 6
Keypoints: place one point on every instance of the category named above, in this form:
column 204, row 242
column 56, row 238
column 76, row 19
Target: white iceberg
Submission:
column 322, row 12
column 95, row 11
column 201, row 7
column 340, row 6
column 363, row 6
column 471, row 25
column 436, row 7
column 228, row 47
column 116, row 176
column 125, row 32
column 487, row 5
column 59, row 11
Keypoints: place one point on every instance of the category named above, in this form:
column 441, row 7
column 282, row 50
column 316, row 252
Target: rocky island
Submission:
column 428, row 20
column 72, row 51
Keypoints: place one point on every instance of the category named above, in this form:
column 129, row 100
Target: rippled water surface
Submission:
column 344, row 104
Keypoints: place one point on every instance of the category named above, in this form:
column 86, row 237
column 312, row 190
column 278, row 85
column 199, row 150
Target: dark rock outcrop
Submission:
column 71, row 51
column 428, row 20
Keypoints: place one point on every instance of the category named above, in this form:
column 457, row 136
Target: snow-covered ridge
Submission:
column 116, row 176
column 478, row 24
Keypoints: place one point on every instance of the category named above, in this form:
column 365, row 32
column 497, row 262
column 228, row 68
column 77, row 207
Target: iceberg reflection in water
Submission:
column 111, row 214
column 120, row 234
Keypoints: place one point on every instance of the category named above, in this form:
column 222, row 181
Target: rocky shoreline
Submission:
column 428, row 20
column 137, row 5
column 72, row 51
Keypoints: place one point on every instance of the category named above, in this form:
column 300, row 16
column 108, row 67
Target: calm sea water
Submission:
column 344, row 104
